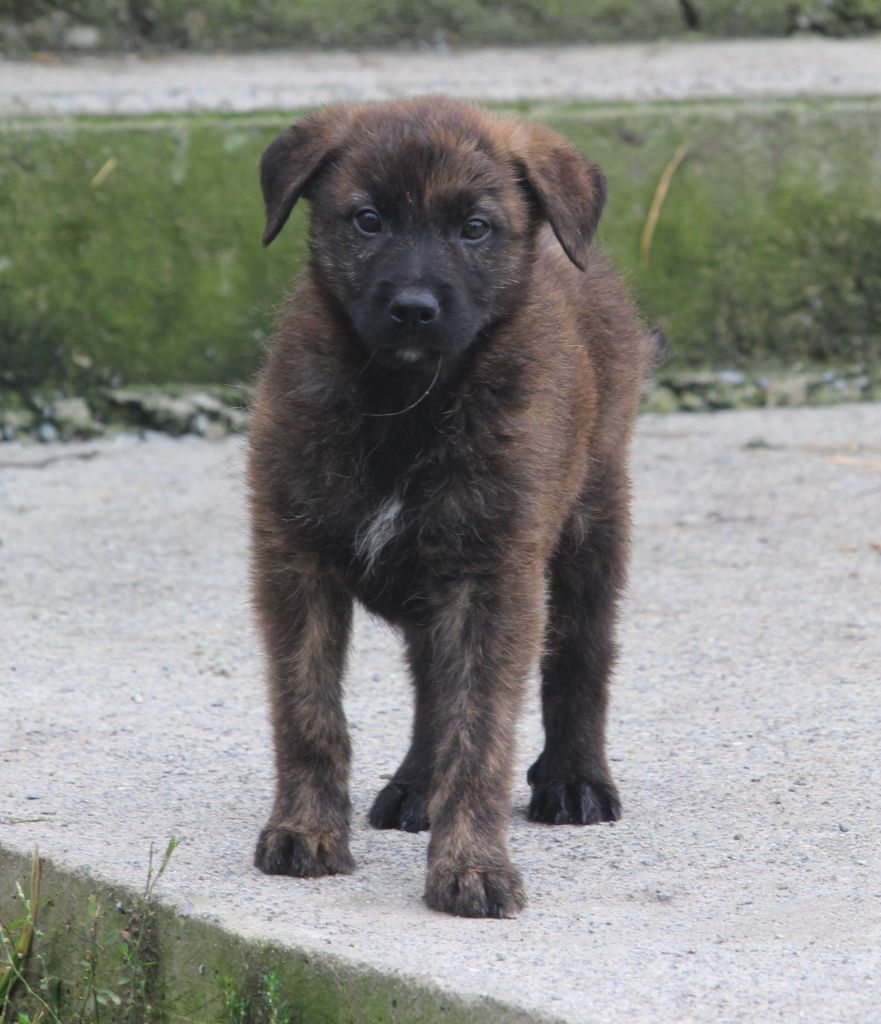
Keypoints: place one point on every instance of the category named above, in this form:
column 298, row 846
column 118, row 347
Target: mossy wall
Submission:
column 154, row 273
column 130, row 249
column 246, row 24
column 193, row 971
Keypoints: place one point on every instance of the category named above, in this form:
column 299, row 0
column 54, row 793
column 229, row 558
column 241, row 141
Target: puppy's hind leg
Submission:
column 571, row 782
column 403, row 802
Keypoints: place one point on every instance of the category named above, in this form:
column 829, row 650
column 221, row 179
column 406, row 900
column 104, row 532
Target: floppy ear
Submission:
column 569, row 188
column 291, row 162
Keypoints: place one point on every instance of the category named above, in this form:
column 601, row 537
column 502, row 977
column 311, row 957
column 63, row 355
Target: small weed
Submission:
column 236, row 1004
column 16, row 941
column 265, row 1007
column 106, row 949
column 274, row 1004
column 138, row 945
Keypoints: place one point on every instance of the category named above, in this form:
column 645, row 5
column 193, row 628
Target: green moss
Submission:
column 766, row 245
column 154, row 274
column 781, row 17
column 745, row 17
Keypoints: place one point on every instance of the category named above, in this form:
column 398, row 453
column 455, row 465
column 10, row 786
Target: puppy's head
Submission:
column 424, row 216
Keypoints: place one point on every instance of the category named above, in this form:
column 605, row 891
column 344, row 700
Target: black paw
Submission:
column 571, row 801
column 475, row 892
column 284, row 851
column 400, row 806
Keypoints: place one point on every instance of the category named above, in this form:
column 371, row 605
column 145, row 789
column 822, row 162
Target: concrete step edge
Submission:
column 200, row 970
column 775, row 68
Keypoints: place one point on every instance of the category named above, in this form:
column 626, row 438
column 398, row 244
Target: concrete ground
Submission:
column 744, row 882
column 636, row 72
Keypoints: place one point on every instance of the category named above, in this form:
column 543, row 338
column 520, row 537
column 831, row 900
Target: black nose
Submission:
column 413, row 307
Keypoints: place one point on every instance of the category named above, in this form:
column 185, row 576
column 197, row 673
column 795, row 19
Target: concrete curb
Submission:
column 197, row 972
column 627, row 73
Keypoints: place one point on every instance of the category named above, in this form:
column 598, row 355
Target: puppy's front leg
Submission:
column 306, row 619
column 480, row 645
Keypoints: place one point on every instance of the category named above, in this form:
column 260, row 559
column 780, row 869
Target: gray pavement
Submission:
column 760, row 69
column 744, row 882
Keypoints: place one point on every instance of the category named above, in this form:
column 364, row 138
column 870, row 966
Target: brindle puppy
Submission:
column 441, row 433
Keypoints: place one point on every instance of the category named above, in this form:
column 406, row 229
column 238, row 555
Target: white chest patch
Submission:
column 378, row 530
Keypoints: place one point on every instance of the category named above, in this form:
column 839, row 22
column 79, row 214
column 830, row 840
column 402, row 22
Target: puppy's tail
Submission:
column 656, row 349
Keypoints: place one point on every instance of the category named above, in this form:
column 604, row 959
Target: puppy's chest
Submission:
column 412, row 514
column 383, row 528
column 395, row 517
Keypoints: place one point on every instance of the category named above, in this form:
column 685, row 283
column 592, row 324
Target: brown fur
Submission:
column 478, row 499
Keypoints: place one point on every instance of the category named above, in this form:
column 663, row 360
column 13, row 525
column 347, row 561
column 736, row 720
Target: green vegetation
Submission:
column 16, row 940
column 230, row 24
column 113, row 976
column 268, row 1004
column 130, row 250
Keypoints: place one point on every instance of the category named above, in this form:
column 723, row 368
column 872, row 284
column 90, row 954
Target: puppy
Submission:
column 441, row 433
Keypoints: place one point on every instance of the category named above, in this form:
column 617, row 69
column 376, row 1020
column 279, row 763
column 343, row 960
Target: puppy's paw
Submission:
column 475, row 892
column 284, row 851
column 400, row 806
column 573, row 802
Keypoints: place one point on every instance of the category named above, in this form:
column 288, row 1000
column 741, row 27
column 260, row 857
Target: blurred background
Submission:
column 741, row 140
column 745, row 212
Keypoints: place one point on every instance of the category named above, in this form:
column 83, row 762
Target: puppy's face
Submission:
column 421, row 238
column 424, row 215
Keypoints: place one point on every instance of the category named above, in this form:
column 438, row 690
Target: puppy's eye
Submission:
column 475, row 228
column 368, row 222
